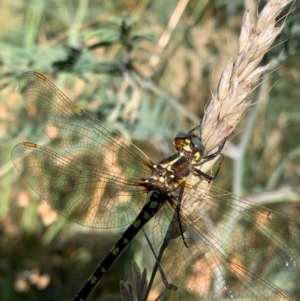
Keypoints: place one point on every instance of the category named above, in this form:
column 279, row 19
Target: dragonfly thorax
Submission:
column 170, row 173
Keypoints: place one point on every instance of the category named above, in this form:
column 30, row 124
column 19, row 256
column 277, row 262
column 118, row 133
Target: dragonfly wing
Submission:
column 233, row 250
column 101, row 198
column 75, row 131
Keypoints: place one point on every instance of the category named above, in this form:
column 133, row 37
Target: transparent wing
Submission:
column 88, row 194
column 96, row 183
column 235, row 250
column 75, row 131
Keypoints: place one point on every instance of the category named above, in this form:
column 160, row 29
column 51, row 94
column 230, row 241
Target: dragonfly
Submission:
column 224, row 247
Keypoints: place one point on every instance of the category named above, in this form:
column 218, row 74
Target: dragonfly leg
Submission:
column 208, row 177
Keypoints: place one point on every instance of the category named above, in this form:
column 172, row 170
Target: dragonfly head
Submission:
column 190, row 146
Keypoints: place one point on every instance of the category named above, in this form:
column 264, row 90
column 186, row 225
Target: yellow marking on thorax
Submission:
column 161, row 179
column 166, row 165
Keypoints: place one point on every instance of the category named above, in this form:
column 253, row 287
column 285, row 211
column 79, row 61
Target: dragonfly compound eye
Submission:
column 197, row 148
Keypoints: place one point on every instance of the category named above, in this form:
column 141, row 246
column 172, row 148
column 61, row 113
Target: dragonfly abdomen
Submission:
column 147, row 212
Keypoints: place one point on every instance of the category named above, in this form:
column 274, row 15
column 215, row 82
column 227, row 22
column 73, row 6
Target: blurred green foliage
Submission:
column 149, row 78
